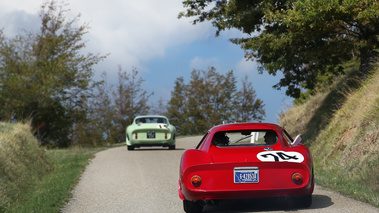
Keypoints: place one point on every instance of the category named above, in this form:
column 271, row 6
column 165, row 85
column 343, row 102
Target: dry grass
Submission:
column 296, row 119
column 22, row 162
column 35, row 180
column 342, row 130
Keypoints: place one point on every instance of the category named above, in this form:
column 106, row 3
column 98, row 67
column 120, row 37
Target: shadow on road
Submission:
column 266, row 204
column 321, row 201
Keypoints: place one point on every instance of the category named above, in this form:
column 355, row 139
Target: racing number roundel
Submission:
column 280, row 156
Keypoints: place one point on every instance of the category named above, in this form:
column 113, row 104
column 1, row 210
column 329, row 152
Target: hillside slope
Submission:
column 22, row 162
column 341, row 128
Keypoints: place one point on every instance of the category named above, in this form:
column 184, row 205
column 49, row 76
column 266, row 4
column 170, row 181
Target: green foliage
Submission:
column 249, row 107
column 22, row 163
column 100, row 114
column 210, row 99
column 111, row 109
column 130, row 97
column 303, row 39
column 327, row 82
column 176, row 110
column 130, row 100
column 44, row 76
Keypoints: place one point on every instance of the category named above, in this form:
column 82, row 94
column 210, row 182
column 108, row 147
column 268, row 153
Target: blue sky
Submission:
column 146, row 34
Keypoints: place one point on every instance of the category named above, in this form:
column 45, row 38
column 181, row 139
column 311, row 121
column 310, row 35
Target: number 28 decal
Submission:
column 272, row 156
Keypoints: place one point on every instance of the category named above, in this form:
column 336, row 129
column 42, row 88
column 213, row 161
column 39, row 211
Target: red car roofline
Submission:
column 239, row 126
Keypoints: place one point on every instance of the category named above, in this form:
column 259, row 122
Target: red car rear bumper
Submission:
column 194, row 195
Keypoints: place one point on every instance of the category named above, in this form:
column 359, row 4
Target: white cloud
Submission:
column 246, row 67
column 29, row 6
column 137, row 31
column 18, row 21
column 133, row 32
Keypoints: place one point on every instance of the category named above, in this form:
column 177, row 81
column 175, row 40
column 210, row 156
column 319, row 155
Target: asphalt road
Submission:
column 146, row 180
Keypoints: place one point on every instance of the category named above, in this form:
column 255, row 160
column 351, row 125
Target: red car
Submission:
column 245, row 160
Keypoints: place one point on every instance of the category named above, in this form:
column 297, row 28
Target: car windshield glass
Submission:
column 245, row 138
column 151, row 120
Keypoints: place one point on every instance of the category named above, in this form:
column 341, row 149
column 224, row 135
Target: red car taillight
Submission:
column 165, row 135
column 297, row 178
column 196, row 181
column 136, row 135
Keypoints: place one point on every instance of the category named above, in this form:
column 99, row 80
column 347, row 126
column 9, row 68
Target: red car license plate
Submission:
column 246, row 175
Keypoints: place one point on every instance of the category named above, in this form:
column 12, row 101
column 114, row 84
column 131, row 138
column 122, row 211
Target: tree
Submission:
column 98, row 126
column 303, row 39
column 111, row 108
column 249, row 107
column 130, row 100
column 211, row 99
column 176, row 106
column 45, row 77
column 218, row 93
column 158, row 108
column 196, row 107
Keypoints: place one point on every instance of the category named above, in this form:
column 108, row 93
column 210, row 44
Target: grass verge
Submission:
column 53, row 191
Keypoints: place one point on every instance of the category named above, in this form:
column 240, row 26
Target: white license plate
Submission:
column 246, row 175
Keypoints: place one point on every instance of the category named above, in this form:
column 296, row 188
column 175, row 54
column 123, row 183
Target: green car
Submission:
column 150, row 130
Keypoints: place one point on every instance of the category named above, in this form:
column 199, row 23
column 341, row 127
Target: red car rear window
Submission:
column 245, row 138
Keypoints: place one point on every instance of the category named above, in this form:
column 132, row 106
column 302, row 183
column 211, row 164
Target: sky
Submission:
column 148, row 36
